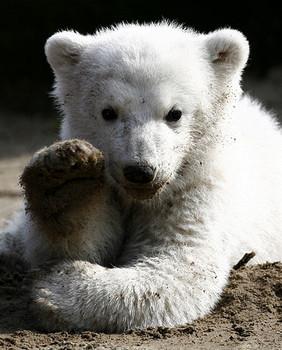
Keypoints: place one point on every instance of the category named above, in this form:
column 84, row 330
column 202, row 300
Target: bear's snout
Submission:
column 139, row 174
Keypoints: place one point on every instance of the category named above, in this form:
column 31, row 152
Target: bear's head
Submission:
column 148, row 96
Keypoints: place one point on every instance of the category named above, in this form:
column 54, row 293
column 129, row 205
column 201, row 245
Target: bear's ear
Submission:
column 64, row 49
column 228, row 51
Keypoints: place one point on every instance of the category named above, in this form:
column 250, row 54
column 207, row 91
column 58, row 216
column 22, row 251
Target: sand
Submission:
column 249, row 315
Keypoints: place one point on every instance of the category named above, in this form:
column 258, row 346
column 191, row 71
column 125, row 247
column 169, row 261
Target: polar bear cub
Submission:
column 165, row 177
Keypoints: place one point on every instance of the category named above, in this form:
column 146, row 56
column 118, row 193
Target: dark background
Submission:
column 25, row 25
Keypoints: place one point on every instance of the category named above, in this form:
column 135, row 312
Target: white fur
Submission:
column 221, row 164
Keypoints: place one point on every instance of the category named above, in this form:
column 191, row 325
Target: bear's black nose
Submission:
column 139, row 174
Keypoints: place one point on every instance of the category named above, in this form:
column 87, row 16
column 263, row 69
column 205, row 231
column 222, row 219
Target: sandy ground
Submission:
column 248, row 317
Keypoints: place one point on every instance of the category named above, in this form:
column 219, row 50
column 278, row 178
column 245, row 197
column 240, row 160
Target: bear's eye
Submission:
column 173, row 115
column 109, row 114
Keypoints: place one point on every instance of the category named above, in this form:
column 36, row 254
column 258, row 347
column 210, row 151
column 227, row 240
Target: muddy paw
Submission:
column 62, row 176
column 61, row 162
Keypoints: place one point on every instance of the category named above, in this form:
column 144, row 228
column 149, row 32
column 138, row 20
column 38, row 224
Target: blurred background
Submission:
column 26, row 24
column 27, row 117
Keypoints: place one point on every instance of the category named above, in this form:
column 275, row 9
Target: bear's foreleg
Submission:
column 160, row 291
column 69, row 212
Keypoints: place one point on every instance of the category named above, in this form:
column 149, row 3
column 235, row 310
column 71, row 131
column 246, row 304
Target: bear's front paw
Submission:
column 60, row 177
column 62, row 296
